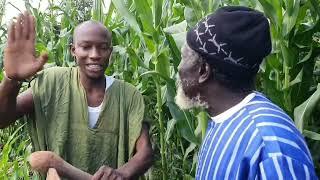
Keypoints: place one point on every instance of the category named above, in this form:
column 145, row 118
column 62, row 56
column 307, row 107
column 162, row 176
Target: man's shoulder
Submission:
column 53, row 76
column 126, row 86
column 57, row 70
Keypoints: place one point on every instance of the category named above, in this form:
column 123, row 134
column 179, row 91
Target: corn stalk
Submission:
column 2, row 9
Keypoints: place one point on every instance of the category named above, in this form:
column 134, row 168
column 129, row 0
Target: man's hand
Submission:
column 43, row 161
column 107, row 173
column 19, row 56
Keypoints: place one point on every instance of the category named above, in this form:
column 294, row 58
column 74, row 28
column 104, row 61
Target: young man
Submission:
column 89, row 119
column 248, row 136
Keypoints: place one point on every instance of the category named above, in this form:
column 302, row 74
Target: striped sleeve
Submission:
column 283, row 167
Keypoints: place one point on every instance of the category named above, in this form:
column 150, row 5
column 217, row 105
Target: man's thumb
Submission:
column 41, row 60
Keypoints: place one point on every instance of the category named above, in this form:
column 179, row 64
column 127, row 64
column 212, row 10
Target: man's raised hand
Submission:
column 19, row 56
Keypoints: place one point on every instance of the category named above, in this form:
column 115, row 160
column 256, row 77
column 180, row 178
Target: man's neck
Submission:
column 90, row 85
column 222, row 99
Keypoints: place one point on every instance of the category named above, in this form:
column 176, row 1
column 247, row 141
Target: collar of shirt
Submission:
column 109, row 82
column 231, row 111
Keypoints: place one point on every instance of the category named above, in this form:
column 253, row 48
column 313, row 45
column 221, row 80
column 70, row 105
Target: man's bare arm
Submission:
column 11, row 106
column 143, row 158
column 19, row 63
column 137, row 165
column 42, row 161
column 9, row 90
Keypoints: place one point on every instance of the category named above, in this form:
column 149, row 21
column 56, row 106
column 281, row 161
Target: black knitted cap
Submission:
column 234, row 39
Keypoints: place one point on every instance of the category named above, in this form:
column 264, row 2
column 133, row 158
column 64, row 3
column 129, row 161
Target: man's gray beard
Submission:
column 184, row 102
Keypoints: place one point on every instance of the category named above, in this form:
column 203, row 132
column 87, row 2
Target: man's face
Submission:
column 92, row 50
column 188, row 95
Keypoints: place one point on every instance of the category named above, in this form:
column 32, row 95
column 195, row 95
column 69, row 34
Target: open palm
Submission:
column 19, row 56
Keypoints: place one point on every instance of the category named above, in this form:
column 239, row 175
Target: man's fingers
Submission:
column 105, row 177
column 108, row 174
column 11, row 32
column 41, row 60
column 32, row 28
column 25, row 25
column 18, row 28
column 98, row 174
column 119, row 178
column 52, row 174
column 104, row 173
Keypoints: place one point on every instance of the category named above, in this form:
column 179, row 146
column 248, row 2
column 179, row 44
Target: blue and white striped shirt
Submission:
column 254, row 140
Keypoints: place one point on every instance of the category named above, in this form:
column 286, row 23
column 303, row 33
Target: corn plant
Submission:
column 14, row 153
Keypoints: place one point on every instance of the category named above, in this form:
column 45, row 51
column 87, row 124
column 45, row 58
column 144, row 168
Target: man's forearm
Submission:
column 41, row 161
column 68, row 171
column 9, row 90
column 143, row 158
column 137, row 165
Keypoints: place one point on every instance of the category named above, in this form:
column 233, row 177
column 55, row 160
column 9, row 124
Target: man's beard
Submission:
column 185, row 102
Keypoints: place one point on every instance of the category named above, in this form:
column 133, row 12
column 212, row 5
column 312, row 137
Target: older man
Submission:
column 248, row 136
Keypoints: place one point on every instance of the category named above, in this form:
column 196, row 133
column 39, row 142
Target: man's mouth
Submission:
column 94, row 67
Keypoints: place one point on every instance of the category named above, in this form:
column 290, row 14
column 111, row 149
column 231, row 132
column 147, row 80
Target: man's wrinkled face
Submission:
column 188, row 95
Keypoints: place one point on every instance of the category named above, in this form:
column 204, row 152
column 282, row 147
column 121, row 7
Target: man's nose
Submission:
column 95, row 53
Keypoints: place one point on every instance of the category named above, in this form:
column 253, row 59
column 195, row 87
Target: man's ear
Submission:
column 72, row 49
column 204, row 72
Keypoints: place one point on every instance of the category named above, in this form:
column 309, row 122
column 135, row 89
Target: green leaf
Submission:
column 149, row 42
column 109, row 14
column 273, row 10
column 290, row 16
column 152, row 73
column 144, row 11
column 288, row 55
column 174, row 50
column 134, row 55
column 170, row 127
column 157, row 12
column 187, row 177
column 180, row 39
column 296, row 80
column 303, row 112
column 163, row 65
column 123, row 10
column 315, row 5
column 306, row 57
column 190, row 16
column 176, row 28
column 312, row 135
column 183, row 122
column 191, row 147
column 97, row 12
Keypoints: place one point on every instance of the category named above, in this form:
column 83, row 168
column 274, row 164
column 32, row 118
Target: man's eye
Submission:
column 104, row 47
column 85, row 46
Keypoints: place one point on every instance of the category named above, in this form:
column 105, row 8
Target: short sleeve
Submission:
column 135, row 119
